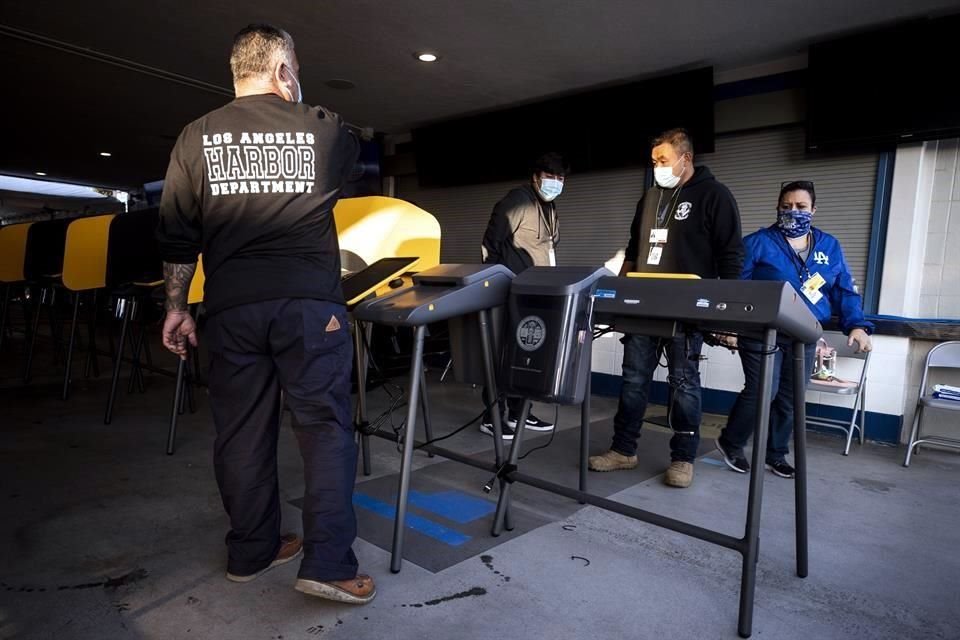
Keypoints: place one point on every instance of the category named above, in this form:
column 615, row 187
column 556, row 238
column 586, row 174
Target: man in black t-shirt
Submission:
column 252, row 186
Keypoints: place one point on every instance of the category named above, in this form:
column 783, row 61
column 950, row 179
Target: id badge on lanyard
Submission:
column 811, row 288
column 660, row 233
column 811, row 282
column 658, row 238
column 552, row 254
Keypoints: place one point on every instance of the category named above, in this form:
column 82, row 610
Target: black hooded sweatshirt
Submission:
column 703, row 229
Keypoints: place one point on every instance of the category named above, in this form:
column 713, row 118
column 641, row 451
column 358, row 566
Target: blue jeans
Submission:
column 740, row 425
column 640, row 357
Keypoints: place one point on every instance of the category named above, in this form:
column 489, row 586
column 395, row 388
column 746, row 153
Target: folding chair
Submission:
column 945, row 355
column 857, row 391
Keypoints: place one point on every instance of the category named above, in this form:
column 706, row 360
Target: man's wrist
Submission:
column 177, row 279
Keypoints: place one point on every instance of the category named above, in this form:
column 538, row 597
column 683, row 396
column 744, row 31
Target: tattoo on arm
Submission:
column 177, row 279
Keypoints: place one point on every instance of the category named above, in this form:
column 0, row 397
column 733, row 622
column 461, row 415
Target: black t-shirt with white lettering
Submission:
column 253, row 185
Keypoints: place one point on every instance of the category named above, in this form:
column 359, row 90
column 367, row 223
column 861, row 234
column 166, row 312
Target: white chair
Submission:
column 856, row 391
column 945, row 355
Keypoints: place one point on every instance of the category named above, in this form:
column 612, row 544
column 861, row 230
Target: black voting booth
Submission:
column 666, row 307
column 441, row 293
column 546, row 356
column 547, row 342
column 358, row 286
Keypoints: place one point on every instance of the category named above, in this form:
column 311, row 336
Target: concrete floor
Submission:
column 104, row 536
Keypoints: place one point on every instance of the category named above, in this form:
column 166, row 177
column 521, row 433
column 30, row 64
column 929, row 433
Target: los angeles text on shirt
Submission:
column 260, row 162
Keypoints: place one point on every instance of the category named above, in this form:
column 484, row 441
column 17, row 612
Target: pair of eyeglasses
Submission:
column 800, row 184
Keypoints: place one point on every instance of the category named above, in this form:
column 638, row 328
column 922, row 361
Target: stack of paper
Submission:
column 946, row 392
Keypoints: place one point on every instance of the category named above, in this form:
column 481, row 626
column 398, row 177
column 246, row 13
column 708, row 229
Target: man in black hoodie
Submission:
column 523, row 233
column 687, row 223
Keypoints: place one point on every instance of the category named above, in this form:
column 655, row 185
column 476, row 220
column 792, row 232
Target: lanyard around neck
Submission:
column 798, row 262
column 663, row 220
column 542, row 208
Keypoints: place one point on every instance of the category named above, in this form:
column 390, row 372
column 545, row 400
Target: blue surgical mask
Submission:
column 550, row 188
column 794, row 223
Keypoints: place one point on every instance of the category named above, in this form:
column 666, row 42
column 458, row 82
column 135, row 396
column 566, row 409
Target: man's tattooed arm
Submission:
column 177, row 279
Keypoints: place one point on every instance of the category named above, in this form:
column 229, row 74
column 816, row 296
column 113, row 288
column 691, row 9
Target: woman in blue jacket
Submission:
column 811, row 260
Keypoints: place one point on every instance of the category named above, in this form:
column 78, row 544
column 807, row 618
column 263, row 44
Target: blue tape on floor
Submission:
column 415, row 522
column 452, row 505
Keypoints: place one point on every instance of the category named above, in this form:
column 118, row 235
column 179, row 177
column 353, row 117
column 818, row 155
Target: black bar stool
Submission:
column 13, row 249
column 134, row 271
column 42, row 268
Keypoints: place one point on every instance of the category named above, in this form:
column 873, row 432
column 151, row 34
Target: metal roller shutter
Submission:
column 595, row 215
column 596, row 209
column 754, row 164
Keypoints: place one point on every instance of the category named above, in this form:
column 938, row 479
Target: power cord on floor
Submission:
column 487, row 407
column 396, row 394
column 556, row 425
column 506, row 468
column 396, row 402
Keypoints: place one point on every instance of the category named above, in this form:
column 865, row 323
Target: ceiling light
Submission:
column 427, row 57
column 105, row 154
column 41, row 173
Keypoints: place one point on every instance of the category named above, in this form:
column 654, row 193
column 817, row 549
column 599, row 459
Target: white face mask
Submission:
column 299, row 90
column 665, row 177
column 550, row 188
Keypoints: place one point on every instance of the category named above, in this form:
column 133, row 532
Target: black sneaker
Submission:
column 781, row 468
column 533, row 423
column 487, row 428
column 734, row 459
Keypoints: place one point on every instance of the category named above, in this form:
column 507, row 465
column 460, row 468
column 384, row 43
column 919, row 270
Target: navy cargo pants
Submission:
column 303, row 347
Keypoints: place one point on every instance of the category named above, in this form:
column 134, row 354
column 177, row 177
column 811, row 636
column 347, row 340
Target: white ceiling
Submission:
column 493, row 53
